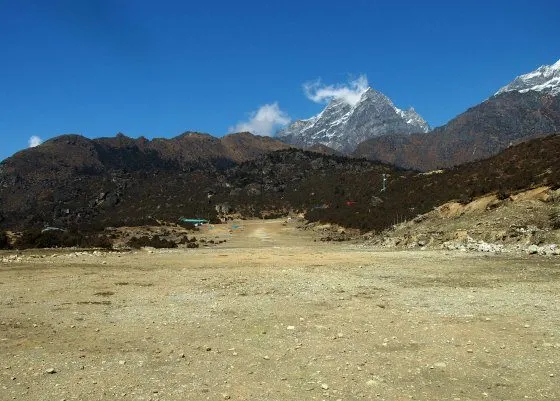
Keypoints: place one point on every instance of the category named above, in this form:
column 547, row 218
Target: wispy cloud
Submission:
column 34, row 141
column 350, row 92
column 264, row 121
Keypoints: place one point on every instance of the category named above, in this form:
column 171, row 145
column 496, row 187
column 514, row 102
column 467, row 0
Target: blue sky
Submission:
column 159, row 68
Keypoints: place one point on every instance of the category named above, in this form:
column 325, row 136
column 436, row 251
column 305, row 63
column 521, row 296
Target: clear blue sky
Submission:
column 159, row 68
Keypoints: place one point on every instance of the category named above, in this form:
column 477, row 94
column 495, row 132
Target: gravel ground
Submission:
column 272, row 315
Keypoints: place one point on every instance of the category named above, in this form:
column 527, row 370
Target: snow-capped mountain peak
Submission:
column 544, row 79
column 342, row 125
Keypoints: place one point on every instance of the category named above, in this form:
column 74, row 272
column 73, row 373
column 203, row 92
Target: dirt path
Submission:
column 272, row 315
column 258, row 233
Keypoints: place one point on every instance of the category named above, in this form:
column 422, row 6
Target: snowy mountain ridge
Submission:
column 342, row 125
column 546, row 79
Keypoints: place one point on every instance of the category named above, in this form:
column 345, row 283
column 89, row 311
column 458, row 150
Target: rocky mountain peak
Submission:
column 545, row 79
column 343, row 125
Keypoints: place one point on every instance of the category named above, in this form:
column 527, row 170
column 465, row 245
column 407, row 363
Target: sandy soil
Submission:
column 273, row 315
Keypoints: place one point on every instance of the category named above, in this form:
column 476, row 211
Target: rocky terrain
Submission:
column 527, row 222
column 90, row 191
column 271, row 314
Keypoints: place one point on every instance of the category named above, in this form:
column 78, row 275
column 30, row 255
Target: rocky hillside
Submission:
column 527, row 221
column 518, row 168
column 74, row 182
column 71, row 180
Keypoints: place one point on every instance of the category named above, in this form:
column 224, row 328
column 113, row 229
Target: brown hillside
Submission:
column 479, row 133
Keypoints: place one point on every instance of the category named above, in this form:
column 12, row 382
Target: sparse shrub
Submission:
column 97, row 241
column 154, row 242
column 4, row 240
column 186, row 240
column 465, row 200
column 502, row 195
column 27, row 239
column 555, row 220
column 188, row 226
column 35, row 238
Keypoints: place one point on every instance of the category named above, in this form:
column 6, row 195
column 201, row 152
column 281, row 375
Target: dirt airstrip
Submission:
column 273, row 315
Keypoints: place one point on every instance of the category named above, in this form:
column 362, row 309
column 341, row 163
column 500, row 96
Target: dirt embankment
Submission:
column 524, row 222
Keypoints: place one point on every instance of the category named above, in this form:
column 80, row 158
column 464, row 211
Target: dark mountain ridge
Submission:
column 74, row 182
column 70, row 179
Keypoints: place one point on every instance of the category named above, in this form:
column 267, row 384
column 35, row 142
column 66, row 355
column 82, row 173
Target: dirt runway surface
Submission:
column 273, row 315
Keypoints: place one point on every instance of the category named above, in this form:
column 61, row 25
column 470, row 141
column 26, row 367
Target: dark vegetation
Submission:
column 555, row 220
column 155, row 242
column 526, row 165
column 84, row 186
column 4, row 240
column 35, row 238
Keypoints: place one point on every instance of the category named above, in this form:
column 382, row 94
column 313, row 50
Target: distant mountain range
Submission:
column 342, row 125
column 526, row 108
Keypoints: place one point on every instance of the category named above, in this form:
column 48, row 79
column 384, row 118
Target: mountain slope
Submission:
column 89, row 192
column 529, row 107
column 342, row 125
column 72, row 180
column 527, row 165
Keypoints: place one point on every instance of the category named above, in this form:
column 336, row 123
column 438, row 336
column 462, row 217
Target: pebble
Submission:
column 266, row 357
column 325, row 386
column 51, row 370
column 290, row 328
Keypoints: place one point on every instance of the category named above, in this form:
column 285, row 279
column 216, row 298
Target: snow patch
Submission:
column 546, row 79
